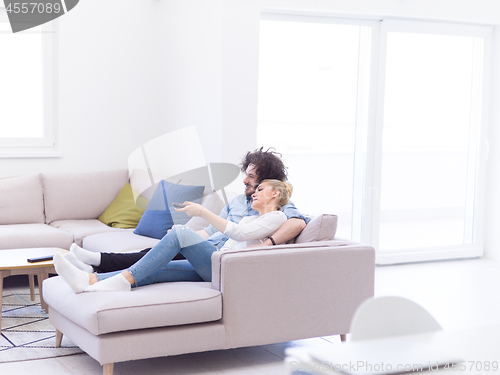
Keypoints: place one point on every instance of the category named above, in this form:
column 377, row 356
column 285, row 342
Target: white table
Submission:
column 471, row 351
column 14, row 262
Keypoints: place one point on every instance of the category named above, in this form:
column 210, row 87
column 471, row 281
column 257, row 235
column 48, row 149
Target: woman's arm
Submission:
column 257, row 228
column 195, row 209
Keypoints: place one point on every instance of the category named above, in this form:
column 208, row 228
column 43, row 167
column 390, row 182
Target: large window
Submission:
column 27, row 118
column 308, row 109
column 379, row 123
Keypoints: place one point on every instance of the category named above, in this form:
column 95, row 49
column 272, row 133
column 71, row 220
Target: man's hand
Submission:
column 289, row 230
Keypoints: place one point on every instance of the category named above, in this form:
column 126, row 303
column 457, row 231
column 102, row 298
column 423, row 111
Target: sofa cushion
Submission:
column 80, row 196
column 79, row 229
column 157, row 305
column 122, row 212
column 320, row 228
column 21, row 200
column 122, row 241
column 18, row 236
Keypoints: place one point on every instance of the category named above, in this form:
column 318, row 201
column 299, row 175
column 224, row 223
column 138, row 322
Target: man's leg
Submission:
column 118, row 261
column 111, row 262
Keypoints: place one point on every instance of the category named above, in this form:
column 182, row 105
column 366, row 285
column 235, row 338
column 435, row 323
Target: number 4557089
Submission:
column 476, row 366
column 33, row 8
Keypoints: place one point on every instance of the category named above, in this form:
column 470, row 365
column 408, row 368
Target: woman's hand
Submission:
column 195, row 209
column 192, row 209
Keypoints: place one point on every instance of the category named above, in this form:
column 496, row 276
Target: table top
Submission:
column 472, row 351
column 17, row 258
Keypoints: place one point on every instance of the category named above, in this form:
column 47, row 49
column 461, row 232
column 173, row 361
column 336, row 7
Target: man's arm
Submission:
column 290, row 229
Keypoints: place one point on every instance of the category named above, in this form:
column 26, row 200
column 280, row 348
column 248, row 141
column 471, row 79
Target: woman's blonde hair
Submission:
column 284, row 187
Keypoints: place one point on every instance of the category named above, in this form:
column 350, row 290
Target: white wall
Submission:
column 132, row 70
column 190, row 75
column 108, row 95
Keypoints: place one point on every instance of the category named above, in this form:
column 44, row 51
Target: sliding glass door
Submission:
column 429, row 140
column 381, row 124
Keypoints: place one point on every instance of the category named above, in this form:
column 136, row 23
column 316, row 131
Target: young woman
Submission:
column 269, row 197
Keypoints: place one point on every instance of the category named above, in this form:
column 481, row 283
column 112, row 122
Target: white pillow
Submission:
column 320, row 228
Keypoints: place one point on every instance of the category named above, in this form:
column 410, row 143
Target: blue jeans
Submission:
column 157, row 265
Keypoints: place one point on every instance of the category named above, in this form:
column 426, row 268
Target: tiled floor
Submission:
column 460, row 294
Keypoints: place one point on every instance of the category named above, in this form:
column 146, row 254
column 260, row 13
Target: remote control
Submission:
column 178, row 205
column 40, row 259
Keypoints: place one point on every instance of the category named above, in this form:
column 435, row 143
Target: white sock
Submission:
column 77, row 279
column 70, row 257
column 87, row 257
column 117, row 283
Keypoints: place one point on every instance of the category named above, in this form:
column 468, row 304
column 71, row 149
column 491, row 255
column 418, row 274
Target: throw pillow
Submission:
column 320, row 228
column 122, row 212
column 160, row 215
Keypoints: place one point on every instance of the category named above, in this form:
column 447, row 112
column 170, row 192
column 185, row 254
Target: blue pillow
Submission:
column 160, row 215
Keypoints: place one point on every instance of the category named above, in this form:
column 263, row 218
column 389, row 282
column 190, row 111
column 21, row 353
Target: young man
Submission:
column 257, row 165
column 260, row 165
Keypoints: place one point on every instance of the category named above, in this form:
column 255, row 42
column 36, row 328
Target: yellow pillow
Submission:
column 122, row 212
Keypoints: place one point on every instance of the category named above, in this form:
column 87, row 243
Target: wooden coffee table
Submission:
column 14, row 262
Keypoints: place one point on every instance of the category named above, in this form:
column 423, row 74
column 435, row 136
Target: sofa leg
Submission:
column 59, row 337
column 343, row 337
column 107, row 369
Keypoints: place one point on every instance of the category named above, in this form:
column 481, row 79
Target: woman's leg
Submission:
column 146, row 271
column 197, row 266
column 181, row 239
column 176, row 270
column 200, row 257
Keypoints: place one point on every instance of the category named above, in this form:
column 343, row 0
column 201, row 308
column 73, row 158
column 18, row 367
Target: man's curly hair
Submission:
column 268, row 164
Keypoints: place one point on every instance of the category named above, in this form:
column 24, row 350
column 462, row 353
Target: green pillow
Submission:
column 122, row 212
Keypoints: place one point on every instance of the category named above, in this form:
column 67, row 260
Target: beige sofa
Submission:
column 55, row 210
column 259, row 296
column 256, row 297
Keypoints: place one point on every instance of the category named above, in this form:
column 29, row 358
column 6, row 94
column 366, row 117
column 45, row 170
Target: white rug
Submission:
column 26, row 331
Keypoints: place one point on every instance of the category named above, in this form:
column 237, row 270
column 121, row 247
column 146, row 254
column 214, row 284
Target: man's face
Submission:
column 250, row 180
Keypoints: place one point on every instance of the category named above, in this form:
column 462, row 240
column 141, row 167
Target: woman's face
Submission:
column 263, row 196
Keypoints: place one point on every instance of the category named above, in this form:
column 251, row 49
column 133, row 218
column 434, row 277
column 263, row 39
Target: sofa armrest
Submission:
column 287, row 292
column 218, row 255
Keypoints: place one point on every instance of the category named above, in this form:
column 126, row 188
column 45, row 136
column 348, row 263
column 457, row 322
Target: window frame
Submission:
column 46, row 146
column 476, row 148
column 369, row 141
